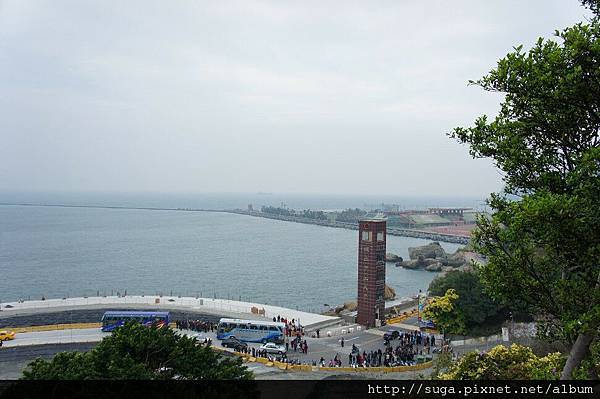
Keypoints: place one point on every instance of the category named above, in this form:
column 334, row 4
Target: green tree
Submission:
column 443, row 312
column 138, row 352
column 543, row 242
column 501, row 363
column 474, row 304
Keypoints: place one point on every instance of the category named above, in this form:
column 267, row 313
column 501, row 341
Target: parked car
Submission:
column 391, row 334
column 271, row 347
column 201, row 338
column 233, row 342
column 7, row 335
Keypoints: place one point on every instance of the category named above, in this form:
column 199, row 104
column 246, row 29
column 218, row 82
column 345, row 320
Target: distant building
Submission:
column 371, row 272
column 445, row 212
column 250, row 208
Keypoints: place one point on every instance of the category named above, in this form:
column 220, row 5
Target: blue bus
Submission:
column 251, row 330
column 115, row 319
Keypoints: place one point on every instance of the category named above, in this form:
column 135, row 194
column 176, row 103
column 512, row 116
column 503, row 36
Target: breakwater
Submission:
column 394, row 231
column 427, row 235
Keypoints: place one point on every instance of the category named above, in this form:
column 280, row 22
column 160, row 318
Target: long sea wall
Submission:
column 393, row 231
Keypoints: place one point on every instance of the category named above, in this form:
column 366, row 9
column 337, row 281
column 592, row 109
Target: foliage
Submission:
column 277, row 211
column 443, row 312
column 137, row 352
column 474, row 305
column 441, row 363
column 593, row 5
column 590, row 367
column 543, row 244
column 350, row 215
column 549, row 119
column 501, row 363
column 319, row 215
column 543, row 253
column 307, row 213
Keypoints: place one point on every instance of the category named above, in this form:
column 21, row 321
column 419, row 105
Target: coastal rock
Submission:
column 434, row 267
column 457, row 259
column 427, row 262
column 390, row 257
column 446, row 269
column 433, row 250
column 389, row 293
column 409, row 264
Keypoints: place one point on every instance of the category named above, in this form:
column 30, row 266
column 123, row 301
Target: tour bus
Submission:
column 251, row 330
column 114, row 319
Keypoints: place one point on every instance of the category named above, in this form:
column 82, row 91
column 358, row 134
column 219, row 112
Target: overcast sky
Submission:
column 227, row 96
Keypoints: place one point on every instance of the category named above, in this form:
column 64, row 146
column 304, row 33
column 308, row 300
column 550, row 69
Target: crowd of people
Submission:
column 298, row 345
column 292, row 327
column 335, row 362
column 417, row 338
column 400, row 352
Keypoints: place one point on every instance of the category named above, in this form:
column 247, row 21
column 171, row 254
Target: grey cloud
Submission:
column 253, row 96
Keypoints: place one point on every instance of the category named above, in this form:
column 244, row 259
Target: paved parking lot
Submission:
column 27, row 346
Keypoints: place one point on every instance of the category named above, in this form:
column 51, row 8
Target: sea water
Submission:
column 65, row 252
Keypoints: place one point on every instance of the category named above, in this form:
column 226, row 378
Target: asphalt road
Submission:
column 56, row 337
column 14, row 360
column 87, row 316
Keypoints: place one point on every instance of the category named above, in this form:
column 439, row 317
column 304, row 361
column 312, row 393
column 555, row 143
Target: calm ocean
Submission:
column 57, row 252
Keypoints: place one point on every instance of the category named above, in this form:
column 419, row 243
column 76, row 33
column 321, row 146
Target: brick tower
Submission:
column 371, row 272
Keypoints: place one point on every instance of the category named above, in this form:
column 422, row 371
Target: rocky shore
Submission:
column 350, row 306
column 432, row 257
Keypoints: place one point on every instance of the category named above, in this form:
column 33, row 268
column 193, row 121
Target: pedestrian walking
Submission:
column 342, row 342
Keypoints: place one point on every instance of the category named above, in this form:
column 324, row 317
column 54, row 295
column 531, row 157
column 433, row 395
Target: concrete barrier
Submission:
column 280, row 365
column 477, row 341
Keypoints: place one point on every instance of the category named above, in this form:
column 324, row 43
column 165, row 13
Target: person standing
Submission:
column 342, row 342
